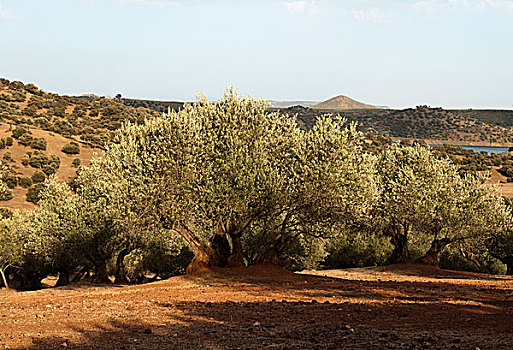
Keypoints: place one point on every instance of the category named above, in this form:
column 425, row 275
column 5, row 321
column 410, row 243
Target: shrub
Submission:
column 506, row 170
column 34, row 193
column 37, row 160
column 25, row 160
column 25, row 140
column 5, row 193
column 7, row 156
column 49, row 169
column 31, row 111
column 10, row 180
column 18, row 131
column 39, row 143
column 25, row 182
column 38, row 176
column 75, row 163
column 71, row 148
column 9, row 141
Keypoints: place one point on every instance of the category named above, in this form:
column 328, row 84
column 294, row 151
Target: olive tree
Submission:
column 425, row 195
column 461, row 209
column 56, row 229
column 500, row 241
column 221, row 173
column 406, row 176
column 12, row 240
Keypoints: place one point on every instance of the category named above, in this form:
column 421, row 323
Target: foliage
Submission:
column 71, row 148
column 25, row 139
column 20, row 131
column 38, row 177
column 39, row 143
column 34, row 193
column 25, row 182
column 231, row 171
column 5, row 192
column 75, row 163
column 12, row 240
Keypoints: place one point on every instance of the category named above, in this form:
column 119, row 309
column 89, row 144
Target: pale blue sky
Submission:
column 450, row 53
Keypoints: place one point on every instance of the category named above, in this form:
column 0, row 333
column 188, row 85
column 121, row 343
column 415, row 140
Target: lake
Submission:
column 488, row 150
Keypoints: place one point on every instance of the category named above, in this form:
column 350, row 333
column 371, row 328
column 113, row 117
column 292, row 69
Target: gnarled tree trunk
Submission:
column 80, row 274
column 64, row 277
column 509, row 265
column 120, row 275
column 431, row 256
column 101, row 276
column 272, row 256
column 399, row 239
column 236, row 258
column 473, row 259
column 205, row 255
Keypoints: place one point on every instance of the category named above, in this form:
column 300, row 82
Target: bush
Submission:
column 75, row 163
column 25, row 160
column 71, row 148
column 33, row 193
column 38, row 143
column 25, row 182
column 38, row 176
column 19, row 131
column 9, row 141
column 49, row 169
column 506, row 170
column 10, row 180
column 357, row 250
column 7, row 156
column 5, row 193
column 25, row 140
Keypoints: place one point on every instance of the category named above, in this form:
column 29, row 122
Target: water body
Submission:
column 478, row 149
column 488, row 150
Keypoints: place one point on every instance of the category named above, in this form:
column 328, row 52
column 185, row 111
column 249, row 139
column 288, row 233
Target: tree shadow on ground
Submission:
column 297, row 325
column 322, row 288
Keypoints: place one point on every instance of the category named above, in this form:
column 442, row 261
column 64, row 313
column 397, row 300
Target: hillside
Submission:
column 341, row 103
column 157, row 106
column 407, row 307
column 89, row 119
column 437, row 125
column 35, row 125
column 20, row 160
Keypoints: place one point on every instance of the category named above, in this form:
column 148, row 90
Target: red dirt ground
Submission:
column 408, row 307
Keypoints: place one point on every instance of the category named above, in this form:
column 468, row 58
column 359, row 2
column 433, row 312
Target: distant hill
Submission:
column 287, row 104
column 342, row 102
column 157, row 106
column 163, row 106
column 476, row 127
